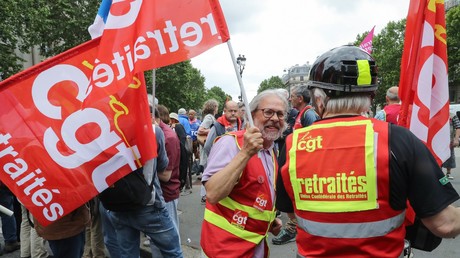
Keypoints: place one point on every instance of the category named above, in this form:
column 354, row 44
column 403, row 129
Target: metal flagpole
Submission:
column 240, row 82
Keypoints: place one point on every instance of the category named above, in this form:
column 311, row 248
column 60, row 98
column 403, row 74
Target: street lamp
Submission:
column 288, row 81
column 241, row 61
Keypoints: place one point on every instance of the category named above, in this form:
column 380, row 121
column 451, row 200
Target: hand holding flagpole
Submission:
column 243, row 92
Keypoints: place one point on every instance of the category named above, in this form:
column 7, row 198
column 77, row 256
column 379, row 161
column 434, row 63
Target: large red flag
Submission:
column 423, row 86
column 56, row 155
column 141, row 35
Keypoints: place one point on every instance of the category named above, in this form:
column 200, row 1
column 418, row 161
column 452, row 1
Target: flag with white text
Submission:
column 366, row 44
column 423, row 86
column 56, row 155
column 143, row 35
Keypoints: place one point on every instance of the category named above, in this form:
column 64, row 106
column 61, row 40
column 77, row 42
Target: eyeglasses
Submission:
column 269, row 113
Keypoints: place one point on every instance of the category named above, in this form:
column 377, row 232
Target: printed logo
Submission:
column 261, row 202
column 240, row 218
column 310, row 143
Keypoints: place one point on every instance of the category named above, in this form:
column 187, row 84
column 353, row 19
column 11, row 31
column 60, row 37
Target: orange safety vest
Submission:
column 337, row 174
column 238, row 223
column 298, row 122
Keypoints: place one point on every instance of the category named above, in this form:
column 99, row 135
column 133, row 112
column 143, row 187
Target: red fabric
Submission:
column 392, row 113
column 143, row 35
column 217, row 242
column 171, row 189
column 223, row 121
column 423, row 86
column 57, row 155
column 298, row 119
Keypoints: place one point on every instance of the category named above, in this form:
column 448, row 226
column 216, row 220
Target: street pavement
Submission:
column 191, row 216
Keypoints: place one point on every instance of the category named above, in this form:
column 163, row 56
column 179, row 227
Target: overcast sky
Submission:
column 275, row 35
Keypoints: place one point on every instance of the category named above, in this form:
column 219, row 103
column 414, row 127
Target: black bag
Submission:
column 184, row 163
column 189, row 145
column 128, row 193
column 420, row 237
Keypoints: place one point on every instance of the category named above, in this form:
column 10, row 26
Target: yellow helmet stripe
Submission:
column 364, row 72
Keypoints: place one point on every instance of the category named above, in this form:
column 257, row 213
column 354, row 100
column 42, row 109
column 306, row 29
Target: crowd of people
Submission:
column 346, row 181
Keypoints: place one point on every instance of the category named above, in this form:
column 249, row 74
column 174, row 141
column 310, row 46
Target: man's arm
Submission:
column 210, row 140
column 222, row 182
column 456, row 125
column 446, row 223
column 203, row 131
column 165, row 175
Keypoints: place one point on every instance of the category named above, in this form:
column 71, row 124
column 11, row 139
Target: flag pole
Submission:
column 153, row 92
column 6, row 211
column 240, row 82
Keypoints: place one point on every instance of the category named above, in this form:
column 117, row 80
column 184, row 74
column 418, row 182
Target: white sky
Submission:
column 277, row 34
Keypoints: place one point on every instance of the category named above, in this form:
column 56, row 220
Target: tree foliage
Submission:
column 56, row 26
column 53, row 26
column 11, row 33
column 273, row 83
column 218, row 94
column 178, row 86
column 453, row 44
column 388, row 48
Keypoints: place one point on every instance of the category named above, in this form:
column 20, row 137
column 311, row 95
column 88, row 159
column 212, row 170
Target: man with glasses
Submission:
column 240, row 182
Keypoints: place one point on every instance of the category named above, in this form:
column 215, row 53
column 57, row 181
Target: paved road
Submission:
column 191, row 215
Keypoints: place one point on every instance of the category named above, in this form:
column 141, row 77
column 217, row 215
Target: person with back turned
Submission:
column 352, row 200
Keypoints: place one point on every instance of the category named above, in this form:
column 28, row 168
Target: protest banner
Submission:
column 55, row 154
column 423, row 85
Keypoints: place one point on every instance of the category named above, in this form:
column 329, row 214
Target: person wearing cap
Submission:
column 348, row 178
column 183, row 120
column 240, row 183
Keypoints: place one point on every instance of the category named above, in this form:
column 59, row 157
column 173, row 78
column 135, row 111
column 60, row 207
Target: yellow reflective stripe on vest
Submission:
column 364, row 72
column 222, row 223
column 338, row 205
column 254, row 213
column 351, row 230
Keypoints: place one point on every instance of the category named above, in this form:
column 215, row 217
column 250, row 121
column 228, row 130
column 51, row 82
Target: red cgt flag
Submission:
column 56, row 155
column 141, row 35
column 423, row 86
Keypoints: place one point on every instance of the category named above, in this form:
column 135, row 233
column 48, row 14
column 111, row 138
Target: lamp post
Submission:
column 241, row 61
column 288, row 82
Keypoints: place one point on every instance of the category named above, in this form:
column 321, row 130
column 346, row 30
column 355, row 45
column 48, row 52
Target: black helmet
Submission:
column 344, row 69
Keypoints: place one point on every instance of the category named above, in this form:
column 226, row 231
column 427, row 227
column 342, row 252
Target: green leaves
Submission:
column 273, row 82
column 52, row 26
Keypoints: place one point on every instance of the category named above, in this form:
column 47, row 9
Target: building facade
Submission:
column 296, row 75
